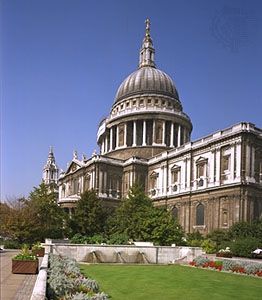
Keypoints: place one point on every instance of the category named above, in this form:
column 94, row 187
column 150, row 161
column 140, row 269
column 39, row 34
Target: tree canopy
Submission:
column 33, row 219
column 137, row 218
column 89, row 216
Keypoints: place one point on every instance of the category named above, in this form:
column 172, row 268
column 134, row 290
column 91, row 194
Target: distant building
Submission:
column 210, row 183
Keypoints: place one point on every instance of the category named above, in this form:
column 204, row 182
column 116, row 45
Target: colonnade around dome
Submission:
column 144, row 132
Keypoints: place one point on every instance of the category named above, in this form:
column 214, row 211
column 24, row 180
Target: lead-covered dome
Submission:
column 147, row 80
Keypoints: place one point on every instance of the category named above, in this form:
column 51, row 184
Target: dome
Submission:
column 147, row 80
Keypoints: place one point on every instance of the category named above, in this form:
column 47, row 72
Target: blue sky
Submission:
column 62, row 62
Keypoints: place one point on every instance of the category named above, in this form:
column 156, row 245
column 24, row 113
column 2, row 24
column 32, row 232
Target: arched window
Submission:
column 175, row 212
column 200, row 214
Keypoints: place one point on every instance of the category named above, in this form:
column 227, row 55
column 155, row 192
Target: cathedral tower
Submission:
column 51, row 170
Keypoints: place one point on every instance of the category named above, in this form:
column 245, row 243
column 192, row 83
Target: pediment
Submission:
column 73, row 167
column 154, row 174
column 201, row 159
column 175, row 168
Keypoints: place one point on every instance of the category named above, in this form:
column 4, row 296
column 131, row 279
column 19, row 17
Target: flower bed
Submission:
column 25, row 262
column 224, row 253
column 65, row 282
column 242, row 267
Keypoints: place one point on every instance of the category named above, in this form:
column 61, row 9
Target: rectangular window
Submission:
column 200, row 170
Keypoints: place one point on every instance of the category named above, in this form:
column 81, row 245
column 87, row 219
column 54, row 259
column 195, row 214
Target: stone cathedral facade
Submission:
column 209, row 183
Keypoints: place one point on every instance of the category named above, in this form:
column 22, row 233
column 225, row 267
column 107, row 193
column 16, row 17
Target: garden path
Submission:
column 14, row 286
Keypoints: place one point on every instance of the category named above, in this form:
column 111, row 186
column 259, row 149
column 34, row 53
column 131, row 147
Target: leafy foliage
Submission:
column 209, row 246
column 244, row 246
column 33, row 219
column 138, row 219
column 118, row 239
column 194, row 239
column 89, row 217
column 220, row 237
column 25, row 254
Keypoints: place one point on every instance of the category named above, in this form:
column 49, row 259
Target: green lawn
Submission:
column 136, row 282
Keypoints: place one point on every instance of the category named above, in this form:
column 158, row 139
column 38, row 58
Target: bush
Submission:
column 78, row 239
column 195, row 243
column 96, row 239
column 220, row 237
column 244, row 247
column 118, row 239
column 194, row 239
column 209, row 246
column 81, row 239
column 11, row 244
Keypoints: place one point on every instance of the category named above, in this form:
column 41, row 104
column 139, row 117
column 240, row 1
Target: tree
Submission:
column 89, row 217
column 161, row 227
column 130, row 213
column 46, row 217
column 33, row 219
column 15, row 220
column 137, row 218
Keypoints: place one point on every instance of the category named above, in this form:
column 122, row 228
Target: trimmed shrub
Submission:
column 244, row 247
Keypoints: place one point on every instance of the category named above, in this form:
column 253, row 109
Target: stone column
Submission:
column 179, row 136
column 134, row 133
column 125, row 133
column 117, row 136
column 172, row 135
column 218, row 153
column 144, row 133
column 106, row 146
column 232, row 162
column 238, row 160
column 253, row 162
column 185, row 135
column 154, row 133
column 248, row 165
column 111, row 139
column 103, row 147
column 164, row 132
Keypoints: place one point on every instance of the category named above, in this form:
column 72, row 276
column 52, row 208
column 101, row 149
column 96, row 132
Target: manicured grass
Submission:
column 137, row 282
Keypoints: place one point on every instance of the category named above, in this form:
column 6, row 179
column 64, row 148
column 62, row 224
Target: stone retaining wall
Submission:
column 124, row 254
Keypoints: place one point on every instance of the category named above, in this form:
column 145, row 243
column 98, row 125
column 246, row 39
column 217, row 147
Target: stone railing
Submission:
column 39, row 291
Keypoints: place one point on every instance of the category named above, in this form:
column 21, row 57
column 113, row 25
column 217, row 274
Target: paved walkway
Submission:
column 14, row 286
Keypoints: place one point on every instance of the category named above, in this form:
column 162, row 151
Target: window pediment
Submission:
column 154, row 174
column 201, row 159
column 175, row 168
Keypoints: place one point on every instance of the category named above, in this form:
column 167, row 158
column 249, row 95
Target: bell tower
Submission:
column 51, row 170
